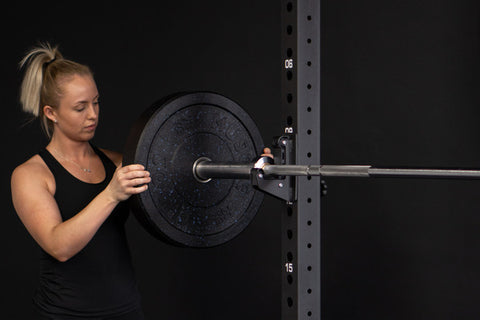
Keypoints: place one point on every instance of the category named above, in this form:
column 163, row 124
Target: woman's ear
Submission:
column 50, row 113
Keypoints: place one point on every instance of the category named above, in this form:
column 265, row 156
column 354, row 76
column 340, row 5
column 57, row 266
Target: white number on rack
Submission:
column 288, row 63
column 289, row 267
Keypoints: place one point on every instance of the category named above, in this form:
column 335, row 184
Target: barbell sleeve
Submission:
column 204, row 169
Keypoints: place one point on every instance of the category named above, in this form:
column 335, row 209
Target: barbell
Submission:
column 202, row 151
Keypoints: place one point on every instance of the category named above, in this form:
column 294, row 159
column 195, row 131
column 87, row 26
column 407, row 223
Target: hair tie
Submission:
column 46, row 64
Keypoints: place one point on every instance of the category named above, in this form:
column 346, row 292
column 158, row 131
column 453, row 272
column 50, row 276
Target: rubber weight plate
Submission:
column 167, row 139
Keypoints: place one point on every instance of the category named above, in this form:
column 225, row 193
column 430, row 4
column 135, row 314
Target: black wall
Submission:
column 399, row 81
column 401, row 87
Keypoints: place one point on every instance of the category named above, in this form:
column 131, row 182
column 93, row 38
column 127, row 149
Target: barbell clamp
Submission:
column 280, row 188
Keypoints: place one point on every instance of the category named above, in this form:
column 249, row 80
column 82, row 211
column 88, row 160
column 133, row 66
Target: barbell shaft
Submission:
column 210, row 170
column 425, row 173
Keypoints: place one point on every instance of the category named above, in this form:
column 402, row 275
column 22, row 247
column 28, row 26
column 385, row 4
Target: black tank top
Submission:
column 98, row 281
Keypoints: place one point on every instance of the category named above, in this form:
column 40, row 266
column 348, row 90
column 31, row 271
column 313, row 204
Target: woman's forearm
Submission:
column 71, row 236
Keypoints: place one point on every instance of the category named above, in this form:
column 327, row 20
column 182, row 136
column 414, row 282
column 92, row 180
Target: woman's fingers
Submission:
column 134, row 167
column 137, row 182
column 135, row 178
column 137, row 190
column 134, row 174
column 267, row 153
column 128, row 180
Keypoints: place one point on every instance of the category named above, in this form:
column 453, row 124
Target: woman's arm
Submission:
column 35, row 205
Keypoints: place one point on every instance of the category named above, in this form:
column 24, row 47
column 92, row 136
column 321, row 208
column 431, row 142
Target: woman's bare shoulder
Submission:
column 33, row 170
column 33, row 165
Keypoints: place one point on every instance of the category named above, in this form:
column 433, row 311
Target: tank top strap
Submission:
column 109, row 165
column 52, row 163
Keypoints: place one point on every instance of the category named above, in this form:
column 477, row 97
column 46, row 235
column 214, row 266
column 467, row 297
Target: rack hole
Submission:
column 309, row 109
column 289, row 256
column 309, row 245
column 289, row 75
column 309, row 86
column 289, row 211
column 289, row 302
column 289, row 6
column 309, row 18
column 309, row 178
column 309, row 313
column 309, row 155
column 289, row 98
column 309, row 268
column 309, row 200
column 309, row 63
column 289, row 234
column 309, row 291
column 309, row 222
column 309, row 40
column 309, row 132
column 289, row 279
column 289, row 120
column 289, row 29
column 289, row 52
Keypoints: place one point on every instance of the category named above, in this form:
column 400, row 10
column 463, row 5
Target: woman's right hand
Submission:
column 128, row 180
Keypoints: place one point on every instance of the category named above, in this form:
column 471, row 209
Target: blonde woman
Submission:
column 70, row 197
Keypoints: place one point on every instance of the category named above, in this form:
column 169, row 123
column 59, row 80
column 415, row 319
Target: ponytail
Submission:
column 45, row 68
column 37, row 60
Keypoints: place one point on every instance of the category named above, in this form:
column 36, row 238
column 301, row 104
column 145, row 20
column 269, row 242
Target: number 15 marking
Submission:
column 289, row 267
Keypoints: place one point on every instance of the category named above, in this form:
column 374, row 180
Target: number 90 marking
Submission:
column 288, row 63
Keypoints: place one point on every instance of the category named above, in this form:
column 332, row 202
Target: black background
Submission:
column 399, row 87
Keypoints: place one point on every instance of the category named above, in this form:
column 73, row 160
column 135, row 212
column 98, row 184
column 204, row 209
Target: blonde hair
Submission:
column 45, row 72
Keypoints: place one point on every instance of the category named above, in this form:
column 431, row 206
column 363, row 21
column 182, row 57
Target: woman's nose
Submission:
column 93, row 111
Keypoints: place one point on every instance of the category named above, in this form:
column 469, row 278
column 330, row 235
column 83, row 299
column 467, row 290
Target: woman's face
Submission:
column 77, row 113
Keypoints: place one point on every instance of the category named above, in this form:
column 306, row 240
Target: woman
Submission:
column 70, row 197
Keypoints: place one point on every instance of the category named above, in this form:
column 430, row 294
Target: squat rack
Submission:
column 300, row 107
